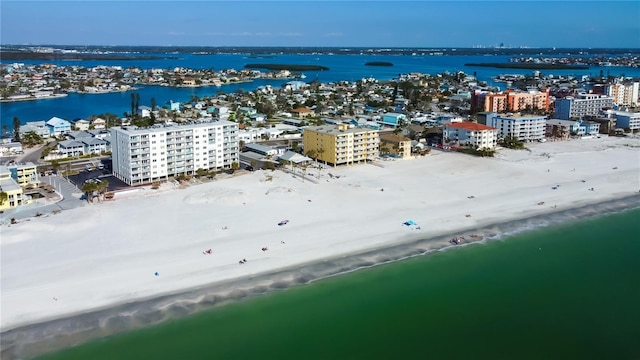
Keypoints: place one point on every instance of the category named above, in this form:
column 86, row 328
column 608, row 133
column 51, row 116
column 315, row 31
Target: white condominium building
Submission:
column 144, row 155
column 521, row 127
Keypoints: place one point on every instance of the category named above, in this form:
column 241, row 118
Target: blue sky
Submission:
column 559, row 23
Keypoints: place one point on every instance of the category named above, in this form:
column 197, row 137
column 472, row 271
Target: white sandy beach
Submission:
column 108, row 253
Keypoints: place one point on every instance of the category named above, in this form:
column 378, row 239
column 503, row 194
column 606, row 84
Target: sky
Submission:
column 422, row 24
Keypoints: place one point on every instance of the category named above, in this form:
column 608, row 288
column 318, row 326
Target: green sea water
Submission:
column 564, row 292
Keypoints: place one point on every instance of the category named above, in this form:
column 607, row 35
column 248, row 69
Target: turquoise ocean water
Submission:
column 570, row 291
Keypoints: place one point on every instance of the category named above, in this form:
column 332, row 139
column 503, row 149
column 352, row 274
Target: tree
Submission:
column 89, row 189
column 3, row 197
column 512, row 143
column 201, row 172
column 320, row 152
column 153, row 104
column 235, row 166
column 133, row 104
column 137, row 102
column 16, row 129
column 31, row 138
column 311, row 153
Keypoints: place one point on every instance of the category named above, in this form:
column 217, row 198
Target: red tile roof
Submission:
column 467, row 125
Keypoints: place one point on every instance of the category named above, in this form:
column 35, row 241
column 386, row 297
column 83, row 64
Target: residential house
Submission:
column 302, row 112
column 247, row 111
column 81, row 124
column 144, row 111
column 10, row 148
column 99, row 123
column 219, row 112
column 39, row 127
column 393, row 119
column 94, row 145
column 173, row 105
column 71, row 148
column 257, row 117
column 58, row 126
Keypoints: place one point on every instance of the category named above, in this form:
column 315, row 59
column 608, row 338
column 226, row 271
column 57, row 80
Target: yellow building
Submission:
column 10, row 192
column 396, row 144
column 340, row 144
column 25, row 174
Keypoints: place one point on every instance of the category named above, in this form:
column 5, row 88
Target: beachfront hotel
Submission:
column 144, row 155
column 341, row 144
column 477, row 136
column 581, row 105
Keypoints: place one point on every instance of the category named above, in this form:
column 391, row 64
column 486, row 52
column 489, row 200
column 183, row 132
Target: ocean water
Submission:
column 569, row 291
column 341, row 67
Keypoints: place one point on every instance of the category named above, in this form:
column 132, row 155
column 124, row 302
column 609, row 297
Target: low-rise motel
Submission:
column 13, row 180
column 470, row 134
column 341, row 144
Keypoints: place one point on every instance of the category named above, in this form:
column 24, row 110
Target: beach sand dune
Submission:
column 108, row 254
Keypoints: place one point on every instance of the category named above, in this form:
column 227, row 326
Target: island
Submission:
column 290, row 67
column 533, row 66
column 378, row 63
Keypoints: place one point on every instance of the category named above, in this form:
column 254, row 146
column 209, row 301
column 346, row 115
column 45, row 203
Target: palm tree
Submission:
column 16, row 129
column 89, row 189
column 320, row 152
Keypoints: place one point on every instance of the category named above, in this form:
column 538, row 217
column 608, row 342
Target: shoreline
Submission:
column 53, row 335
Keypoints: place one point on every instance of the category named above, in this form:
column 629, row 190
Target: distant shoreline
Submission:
column 533, row 66
column 28, row 55
column 32, row 98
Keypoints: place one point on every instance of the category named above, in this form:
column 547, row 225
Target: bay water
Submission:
column 568, row 291
column 341, row 67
